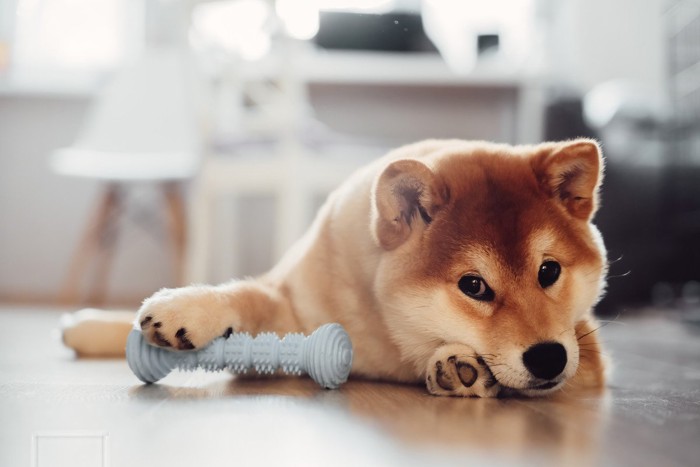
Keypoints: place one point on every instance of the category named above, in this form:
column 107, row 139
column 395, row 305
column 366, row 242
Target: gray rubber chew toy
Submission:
column 325, row 355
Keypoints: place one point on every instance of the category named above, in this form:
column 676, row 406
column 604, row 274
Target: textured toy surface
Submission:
column 325, row 355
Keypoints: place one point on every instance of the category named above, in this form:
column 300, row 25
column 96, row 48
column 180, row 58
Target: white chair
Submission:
column 142, row 129
column 284, row 163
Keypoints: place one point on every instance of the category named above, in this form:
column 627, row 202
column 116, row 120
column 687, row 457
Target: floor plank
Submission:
column 649, row 415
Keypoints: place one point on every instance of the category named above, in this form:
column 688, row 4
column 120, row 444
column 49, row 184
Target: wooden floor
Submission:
column 55, row 410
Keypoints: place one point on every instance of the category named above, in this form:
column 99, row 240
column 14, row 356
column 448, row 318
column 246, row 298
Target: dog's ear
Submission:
column 572, row 172
column 405, row 196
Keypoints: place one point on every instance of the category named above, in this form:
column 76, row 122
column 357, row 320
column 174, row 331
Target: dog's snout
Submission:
column 545, row 360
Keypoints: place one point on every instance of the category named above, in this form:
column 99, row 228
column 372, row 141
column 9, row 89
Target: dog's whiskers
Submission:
column 617, row 276
column 613, row 261
column 593, row 351
column 565, row 330
column 591, row 332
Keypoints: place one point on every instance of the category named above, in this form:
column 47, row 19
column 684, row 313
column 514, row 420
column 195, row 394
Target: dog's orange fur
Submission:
column 387, row 250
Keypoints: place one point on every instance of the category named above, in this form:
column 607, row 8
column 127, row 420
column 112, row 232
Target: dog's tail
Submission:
column 96, row 333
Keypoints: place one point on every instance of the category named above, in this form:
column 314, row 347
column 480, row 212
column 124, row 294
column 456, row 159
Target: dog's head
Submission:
column 492, row 246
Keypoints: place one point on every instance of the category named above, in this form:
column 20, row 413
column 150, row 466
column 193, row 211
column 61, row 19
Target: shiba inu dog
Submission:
column 470, row 266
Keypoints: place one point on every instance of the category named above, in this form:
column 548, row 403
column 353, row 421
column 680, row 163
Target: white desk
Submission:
column 412, row 72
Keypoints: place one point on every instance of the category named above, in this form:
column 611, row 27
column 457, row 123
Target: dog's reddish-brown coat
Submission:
column 387, row 249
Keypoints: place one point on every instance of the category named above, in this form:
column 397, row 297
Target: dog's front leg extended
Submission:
column 456, row 370
column 190, row 317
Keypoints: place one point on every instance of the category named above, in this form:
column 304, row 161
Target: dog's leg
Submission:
column 456, row 370
column 97, row 333
column 190, row 317
column 592, row 362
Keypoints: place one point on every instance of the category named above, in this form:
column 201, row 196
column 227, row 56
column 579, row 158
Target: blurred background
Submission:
column 151, row 143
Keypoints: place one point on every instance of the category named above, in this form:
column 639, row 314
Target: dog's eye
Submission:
column 549, row 273
column 476, row 288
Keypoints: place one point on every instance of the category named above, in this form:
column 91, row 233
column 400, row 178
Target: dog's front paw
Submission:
column 183, row 319
column 456, row 370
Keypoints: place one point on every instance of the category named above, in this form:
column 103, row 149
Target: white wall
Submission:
column 599, row 40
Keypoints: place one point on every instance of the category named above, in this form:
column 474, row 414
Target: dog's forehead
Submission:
column 496, row 206
column 497, row 192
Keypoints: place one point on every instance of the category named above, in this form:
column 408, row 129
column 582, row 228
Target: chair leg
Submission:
column 199, row 225
column 177, row 226
column 90, row 244
column 107, row 243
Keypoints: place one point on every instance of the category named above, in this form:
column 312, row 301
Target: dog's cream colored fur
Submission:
column 387, row 250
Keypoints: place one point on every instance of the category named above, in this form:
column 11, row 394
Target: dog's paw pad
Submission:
column 444, row 377
column 455, row 370
column 467, row 374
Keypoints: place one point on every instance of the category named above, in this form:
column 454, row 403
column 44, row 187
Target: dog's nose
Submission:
column 546, row 360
